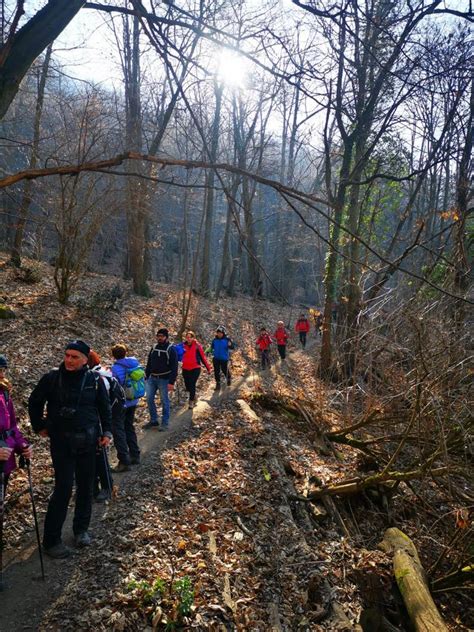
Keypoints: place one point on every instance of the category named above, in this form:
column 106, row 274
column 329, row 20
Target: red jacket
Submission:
column 192, row 352
column 264, row 341
column 281, row 336
column 302, row 324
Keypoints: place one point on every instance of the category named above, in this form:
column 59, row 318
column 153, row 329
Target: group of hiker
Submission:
column 81, row 406
column 281, row 337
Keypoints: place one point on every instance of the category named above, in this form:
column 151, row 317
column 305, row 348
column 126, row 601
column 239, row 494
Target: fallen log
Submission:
column 412, row 583
column 356, row 485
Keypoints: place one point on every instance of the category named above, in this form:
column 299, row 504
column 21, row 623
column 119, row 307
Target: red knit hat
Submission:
column 93, row 359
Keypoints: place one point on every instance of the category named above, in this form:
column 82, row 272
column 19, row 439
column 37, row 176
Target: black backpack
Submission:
column 116, row 393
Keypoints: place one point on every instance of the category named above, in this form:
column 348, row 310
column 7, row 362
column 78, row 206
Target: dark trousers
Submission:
column 130, row 434
column 265, row 357
column 221, row 365
column 103, row 475
column 303, row 338
column 190, row 377
column 125, row 437
column 282, row 351
column 70, row 463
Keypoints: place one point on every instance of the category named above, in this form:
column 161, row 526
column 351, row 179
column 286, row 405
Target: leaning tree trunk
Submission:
column 21, row 50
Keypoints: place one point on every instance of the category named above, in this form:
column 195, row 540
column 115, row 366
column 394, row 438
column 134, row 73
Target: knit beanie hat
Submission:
column 78, row 345
column 163, row 331
column 3, row 362
column 220, row 329
column 93, row 359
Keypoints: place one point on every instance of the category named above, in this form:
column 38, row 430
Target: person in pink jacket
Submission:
column 192, row 360
column 11, row 440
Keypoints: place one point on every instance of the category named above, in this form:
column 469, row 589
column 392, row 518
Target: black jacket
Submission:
column 68, row 408
column 163, row 361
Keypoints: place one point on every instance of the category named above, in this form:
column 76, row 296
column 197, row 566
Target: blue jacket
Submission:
column 221, row 347
column 119, row 371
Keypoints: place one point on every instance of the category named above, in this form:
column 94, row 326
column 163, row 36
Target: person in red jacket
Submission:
column 302, row 327
column 263, row 343
column 192, row 359
column 281, row 338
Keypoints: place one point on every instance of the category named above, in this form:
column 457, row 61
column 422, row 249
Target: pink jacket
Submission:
column 9, row 431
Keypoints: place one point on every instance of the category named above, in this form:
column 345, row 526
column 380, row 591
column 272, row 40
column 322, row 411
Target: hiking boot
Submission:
column 149, row 425
column 58, row 551
column 121, row 467
column 163, row 428
column 191, row 404
column 217, row 388
column 82, row 539
column 135, row 460
column 102, row 496
column 229, row 381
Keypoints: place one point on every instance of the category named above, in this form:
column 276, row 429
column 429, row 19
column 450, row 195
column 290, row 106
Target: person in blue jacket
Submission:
column 220, row 348
column 125, row 437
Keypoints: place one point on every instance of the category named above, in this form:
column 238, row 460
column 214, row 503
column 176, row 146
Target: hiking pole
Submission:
column 107, row 470
column 2, row 482
column 26, row 462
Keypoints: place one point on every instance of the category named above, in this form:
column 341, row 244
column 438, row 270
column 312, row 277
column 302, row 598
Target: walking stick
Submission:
column 26, row 462
column 107, row 471
column 2, row 481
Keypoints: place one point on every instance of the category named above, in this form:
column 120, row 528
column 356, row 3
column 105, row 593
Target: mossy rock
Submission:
column 6, row 312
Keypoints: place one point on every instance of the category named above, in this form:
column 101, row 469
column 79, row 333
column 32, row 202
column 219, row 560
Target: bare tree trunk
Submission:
column 137, row 202
column 205, row 280
column 23, row 47
column 15, row 256
column 461, row 252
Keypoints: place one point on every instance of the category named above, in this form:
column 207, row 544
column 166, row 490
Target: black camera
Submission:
column 67, row 413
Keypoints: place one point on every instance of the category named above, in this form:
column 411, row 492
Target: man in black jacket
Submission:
column 78, row 416
column 161, row 371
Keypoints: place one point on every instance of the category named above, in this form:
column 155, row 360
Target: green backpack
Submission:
column 134, row 385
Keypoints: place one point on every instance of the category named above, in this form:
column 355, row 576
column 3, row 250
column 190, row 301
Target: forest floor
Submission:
column 204, row 534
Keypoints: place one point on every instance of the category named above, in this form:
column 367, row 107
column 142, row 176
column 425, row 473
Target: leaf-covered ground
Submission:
column 205, row 533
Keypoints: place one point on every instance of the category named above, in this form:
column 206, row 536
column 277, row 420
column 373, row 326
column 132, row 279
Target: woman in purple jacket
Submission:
column 125, row 440
column 11, row 440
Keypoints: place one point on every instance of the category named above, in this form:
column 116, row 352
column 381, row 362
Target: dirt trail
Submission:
column 26, row 596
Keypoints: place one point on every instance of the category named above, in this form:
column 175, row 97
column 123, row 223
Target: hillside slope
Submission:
column 206, row 533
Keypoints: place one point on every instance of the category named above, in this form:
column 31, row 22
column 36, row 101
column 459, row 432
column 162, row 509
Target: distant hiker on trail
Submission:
column 78, row 416
column 103, row 483
column 161, row 371
column 281, row 338
column 263, row 344
column 11, row 440
column 123, row 429
column 193, row 357
column 302, row 328
column 220, row 349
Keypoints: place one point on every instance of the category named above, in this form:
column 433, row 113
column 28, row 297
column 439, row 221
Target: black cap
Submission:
column 79, row 345
column 163, row 331
column 3, row 362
